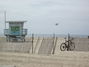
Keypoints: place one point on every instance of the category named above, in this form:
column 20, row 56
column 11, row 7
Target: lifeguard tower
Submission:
column 15, row 32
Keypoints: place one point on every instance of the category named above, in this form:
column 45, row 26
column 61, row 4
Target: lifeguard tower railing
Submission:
column 22, row 32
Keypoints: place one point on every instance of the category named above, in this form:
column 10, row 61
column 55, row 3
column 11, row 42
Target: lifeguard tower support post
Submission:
column 16, row 31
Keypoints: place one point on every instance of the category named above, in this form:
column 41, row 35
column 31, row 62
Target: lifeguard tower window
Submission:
column 15, row 30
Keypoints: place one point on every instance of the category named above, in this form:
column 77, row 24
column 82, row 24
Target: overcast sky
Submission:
column 42, row 15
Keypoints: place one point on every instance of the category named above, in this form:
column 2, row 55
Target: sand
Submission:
column 20, row 54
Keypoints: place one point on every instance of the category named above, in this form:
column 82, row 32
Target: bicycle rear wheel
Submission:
column 72, row 46
column 63, row 47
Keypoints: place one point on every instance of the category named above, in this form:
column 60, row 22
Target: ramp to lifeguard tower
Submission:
column 41, row 45
column 46, row 46
column 63, row 59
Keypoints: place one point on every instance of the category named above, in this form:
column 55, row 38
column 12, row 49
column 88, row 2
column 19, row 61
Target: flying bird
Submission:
column 57, row 24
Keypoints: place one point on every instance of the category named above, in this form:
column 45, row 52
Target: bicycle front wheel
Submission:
column 63, row 47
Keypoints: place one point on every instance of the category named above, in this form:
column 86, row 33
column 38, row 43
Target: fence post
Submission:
column 54, row 42
column 32, row 42
column 68, row 41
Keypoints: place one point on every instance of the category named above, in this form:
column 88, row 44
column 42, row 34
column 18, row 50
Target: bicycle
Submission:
column 67, row 45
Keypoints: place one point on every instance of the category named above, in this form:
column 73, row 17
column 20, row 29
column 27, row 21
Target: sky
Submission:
column 72, row 16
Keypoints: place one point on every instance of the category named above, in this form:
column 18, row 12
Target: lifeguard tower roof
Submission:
column 15, row 21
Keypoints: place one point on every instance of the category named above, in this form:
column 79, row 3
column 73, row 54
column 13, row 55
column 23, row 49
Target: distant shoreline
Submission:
column 51, row 35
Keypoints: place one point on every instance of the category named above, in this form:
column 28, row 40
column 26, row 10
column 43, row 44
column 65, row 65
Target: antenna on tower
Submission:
column 5, row 18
